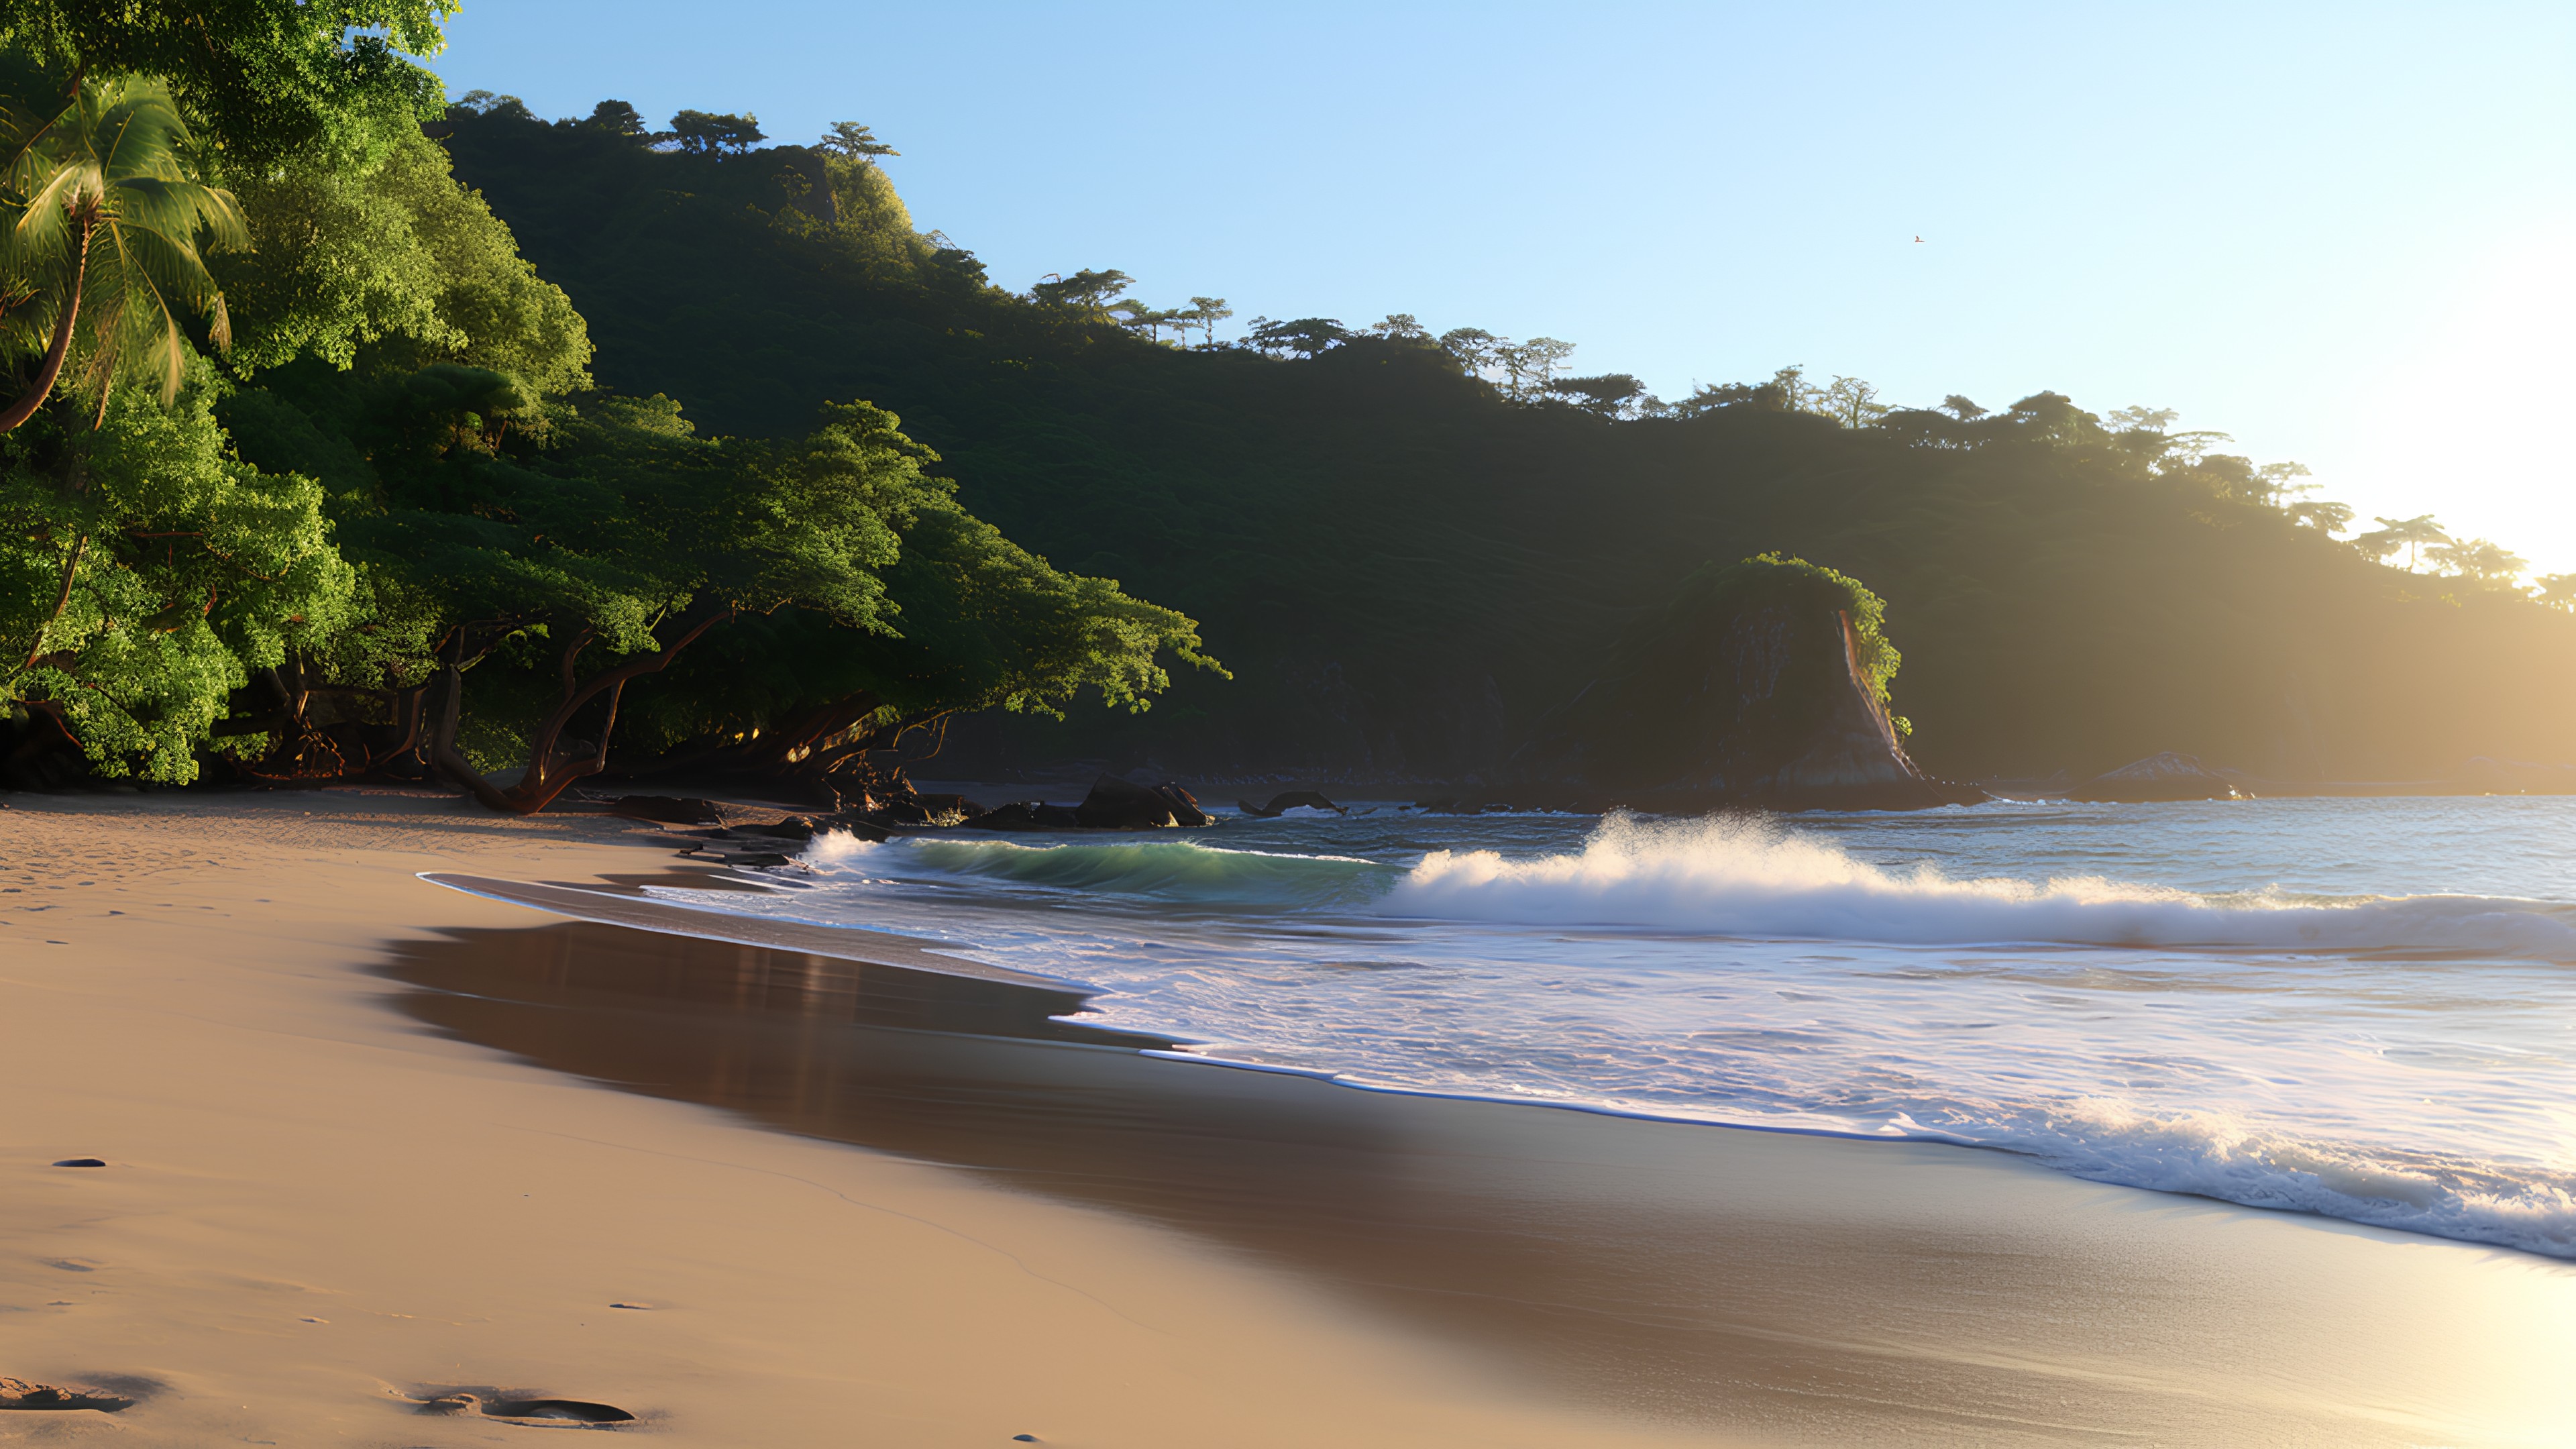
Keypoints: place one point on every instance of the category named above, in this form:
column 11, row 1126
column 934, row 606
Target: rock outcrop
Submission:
column 1116, row 804
column 1749, row 688
column 1287, row 800
column 2165, row 776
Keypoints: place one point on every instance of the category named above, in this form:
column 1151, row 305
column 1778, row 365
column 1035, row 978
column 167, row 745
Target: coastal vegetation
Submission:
column 351, row 432
column 306, row 474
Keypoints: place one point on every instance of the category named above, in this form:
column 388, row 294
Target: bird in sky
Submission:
column 1918, row 240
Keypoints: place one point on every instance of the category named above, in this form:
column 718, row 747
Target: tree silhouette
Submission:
column 1136, row 316
column 1852, row 403
column 2410, row 534
column 1084, row 291
column 2477, row 558
column 1306, row 336
column 617, row 118
column 854, row 141
column 2323, row 515
column 1611, row 395
column 1527, row 366
column 1204, row 313
column 710, row 133
column 1472, row 346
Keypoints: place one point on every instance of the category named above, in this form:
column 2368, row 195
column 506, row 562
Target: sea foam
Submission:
column 1748, row 878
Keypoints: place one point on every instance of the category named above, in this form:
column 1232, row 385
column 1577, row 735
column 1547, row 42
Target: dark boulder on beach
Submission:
column 667, row 809
column 2166, row 776
column 1185, row 806
column 1285, row 801
column 1027, row 815
column 1116, row 804
column 1015, row 815
column 912, row 808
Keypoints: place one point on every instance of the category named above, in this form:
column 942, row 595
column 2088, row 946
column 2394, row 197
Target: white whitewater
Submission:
column 2365, row 1009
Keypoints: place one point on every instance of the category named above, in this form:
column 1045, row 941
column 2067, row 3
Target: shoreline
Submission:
column 315, row 1212
column 1065, row 998
column 1359, row 1266
column 1865, row 1291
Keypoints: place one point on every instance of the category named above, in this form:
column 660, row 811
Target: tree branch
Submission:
column 542, row 781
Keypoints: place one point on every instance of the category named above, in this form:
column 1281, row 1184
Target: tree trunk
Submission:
column 545, row 778
column 408, row 709
column 443, row 757
column 792, row 751
column 52, row 367
column 62, row 601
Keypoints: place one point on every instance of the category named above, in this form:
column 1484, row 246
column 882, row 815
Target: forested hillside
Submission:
column 1408, row 565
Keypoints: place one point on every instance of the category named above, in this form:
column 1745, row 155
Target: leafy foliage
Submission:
column 146, row 573
column 100, row 225
column 264, row 79
column 393, row 254
column 401, row 482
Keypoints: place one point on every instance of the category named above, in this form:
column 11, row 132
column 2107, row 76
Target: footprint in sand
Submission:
column 20, row 1394
column 524, row 1409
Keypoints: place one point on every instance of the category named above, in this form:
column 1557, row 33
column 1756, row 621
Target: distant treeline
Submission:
column 1410, row 548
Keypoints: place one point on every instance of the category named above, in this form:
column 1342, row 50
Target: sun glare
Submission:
column 2495, row 352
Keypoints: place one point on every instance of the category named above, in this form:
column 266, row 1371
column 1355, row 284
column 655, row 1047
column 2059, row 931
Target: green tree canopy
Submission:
column 854, row 142
column 262, row 78
column 712, row 133
column 1084, row 291
column 390, row 253
column 145, row 572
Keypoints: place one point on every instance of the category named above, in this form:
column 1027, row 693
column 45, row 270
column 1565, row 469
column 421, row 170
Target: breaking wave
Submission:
column 1178, row 871
column 1743, row 878
column 2262, row 1047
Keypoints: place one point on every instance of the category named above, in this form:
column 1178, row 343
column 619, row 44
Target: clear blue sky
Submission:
column 2344, row 234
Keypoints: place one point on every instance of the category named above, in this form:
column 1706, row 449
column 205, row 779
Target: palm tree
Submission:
column 99, row 235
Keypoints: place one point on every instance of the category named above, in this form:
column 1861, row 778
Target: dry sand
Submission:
column 358, row 1158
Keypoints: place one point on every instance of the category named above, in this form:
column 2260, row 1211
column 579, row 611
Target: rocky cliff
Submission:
column 1755, row 685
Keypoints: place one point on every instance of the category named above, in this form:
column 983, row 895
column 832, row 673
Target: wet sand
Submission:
column 317, row 1216
column 872, row 1202
column 1758, row 1284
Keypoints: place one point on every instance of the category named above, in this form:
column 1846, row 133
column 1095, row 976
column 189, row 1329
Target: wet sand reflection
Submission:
column 1781, row 1287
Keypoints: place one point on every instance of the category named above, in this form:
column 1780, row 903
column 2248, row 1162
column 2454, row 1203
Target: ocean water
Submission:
column 2360, row 1008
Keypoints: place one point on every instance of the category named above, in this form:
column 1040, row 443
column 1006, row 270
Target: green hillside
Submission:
column 1405, row 567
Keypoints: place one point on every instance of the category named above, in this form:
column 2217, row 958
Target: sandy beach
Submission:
column 370, row 1140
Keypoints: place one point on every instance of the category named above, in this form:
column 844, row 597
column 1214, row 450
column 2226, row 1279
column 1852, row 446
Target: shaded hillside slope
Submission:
column 1407, row 571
